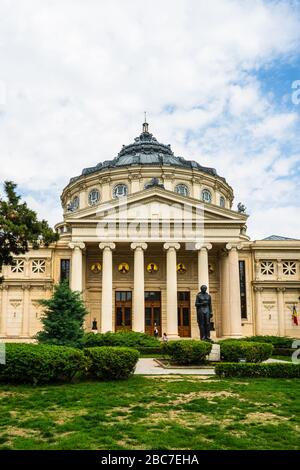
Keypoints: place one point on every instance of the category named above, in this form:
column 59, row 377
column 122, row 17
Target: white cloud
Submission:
column 78, row 76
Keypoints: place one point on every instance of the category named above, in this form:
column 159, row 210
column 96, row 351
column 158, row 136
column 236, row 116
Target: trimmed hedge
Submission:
column 273, row 370
column 188, row 351
column 157, row 350
column 234, row 350
column 130, row 339
column 39, row 363
column 111, row 363
column 276, row 341
column 283, row 352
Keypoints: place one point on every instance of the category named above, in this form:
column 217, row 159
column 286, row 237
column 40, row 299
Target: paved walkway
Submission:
column 148, row 366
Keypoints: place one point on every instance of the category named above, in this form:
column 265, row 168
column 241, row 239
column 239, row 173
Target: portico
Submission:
column 137, row 297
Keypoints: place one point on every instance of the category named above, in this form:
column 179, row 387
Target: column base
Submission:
column 173, row 336
column 231, row 336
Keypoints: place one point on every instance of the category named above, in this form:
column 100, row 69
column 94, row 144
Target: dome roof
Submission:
column 146, row 150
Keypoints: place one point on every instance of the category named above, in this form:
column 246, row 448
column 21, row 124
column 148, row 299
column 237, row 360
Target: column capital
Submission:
column 258, row 289
column 168, row 246
column 233, row 246
column 280, row 289
column 141, row 245
column 203, row 246
column 109, row 245
column 74, row 245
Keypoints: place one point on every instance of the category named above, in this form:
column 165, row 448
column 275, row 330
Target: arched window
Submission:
column 182, row 189
column 75, row 203
column 120, row 190
column 206, row 195
column 222, row 201
column 94, row 197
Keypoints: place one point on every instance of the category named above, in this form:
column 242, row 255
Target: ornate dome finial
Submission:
column 145, row 124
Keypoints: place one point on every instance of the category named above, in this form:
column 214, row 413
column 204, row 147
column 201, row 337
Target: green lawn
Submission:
column 153, row 413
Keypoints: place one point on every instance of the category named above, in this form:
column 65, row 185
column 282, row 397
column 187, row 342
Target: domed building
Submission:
column 140, row 234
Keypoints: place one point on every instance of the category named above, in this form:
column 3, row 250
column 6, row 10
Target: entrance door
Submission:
column 123, row 310
column 152, row 312
column 184, row 314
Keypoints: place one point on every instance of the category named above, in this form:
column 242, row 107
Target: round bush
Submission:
column 111, row 363
column 130, row 339
column 32, row 363
column 188, row 351
column 233, row 351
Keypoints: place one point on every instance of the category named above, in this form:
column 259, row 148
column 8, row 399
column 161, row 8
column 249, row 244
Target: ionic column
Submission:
column 172, row 314
column 203, row 274
column 138, row 320
column 4, row 309
column 280, row 307
column 258, row 317
column 76, row 265
column 26, row 313
column 225, row 299
column 234, row 291
column 107, row 287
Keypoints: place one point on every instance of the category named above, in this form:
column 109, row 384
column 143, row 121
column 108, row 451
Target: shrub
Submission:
column 276, row 369
column 130, row 339
column 157, row 350
column 63, row 318
column 276, row 341
column 233, row 351
column 31, row 363
column 111, row 363
column 188, row 351
column 283, row 352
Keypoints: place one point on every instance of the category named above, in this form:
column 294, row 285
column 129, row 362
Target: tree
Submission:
column 63, row 317
column 19, row 227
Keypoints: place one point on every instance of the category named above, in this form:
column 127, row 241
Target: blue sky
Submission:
column 215, row 77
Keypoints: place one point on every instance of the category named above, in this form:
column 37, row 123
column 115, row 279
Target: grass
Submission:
column 172, row 412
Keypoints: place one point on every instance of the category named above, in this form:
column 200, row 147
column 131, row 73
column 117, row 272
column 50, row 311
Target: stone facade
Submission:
column 139, row 253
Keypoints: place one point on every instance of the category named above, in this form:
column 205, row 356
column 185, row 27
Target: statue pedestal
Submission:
column 215, row 354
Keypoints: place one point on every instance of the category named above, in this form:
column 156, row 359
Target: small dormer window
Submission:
column 182, row 189
column 120, row 190
column 94, row 197
column 222, row 201
column 206, row 196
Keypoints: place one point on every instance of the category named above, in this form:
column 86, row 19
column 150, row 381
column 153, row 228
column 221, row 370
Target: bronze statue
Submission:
column 204, row 313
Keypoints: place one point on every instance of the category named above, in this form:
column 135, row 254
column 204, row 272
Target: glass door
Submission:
column 184, row 316
column 152, row 312
column 123, row 311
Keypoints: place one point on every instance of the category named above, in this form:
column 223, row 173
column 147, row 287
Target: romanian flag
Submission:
column 295, row 316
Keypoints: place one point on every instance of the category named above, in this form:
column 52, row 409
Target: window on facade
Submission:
column 94, row 197
column 38, row 266
column 182, row 189
column 120, row 190
column 64, row 270
column 206, row 196
column 242, row 270
column 289, row 268
column 75, row 203
column 267, row 268
column 18, row 266
column 222, row 201
column 123, row 296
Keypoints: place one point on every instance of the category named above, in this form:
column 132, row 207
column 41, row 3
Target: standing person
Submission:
column 156, row 333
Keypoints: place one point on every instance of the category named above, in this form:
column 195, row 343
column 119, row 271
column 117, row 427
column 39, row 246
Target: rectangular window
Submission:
column 64, row 270
column 242, row 270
